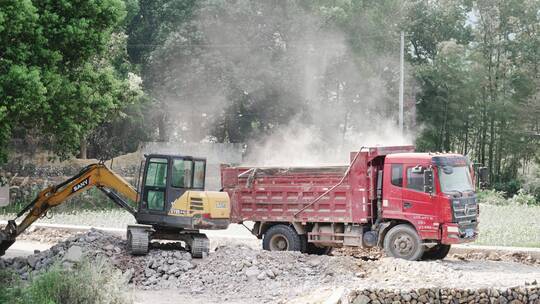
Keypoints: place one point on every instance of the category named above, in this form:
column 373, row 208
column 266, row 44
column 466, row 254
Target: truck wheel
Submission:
column 282, row 238
column 138, row 241
column 403, row 242
column 312, row 249
column 438, row 252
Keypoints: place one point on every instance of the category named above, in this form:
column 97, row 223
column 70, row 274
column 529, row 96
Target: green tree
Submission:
column 54, row 80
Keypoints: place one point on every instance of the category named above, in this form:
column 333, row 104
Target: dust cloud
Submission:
column 328, row 102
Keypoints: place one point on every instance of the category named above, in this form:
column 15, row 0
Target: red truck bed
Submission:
column 286, row 194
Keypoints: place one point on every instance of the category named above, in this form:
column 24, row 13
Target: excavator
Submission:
column 170, row 203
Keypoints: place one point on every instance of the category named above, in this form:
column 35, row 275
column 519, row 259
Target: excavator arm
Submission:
column 95, row 175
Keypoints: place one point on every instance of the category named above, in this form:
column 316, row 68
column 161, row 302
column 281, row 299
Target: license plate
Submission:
column 221, row 205
column 469, row 233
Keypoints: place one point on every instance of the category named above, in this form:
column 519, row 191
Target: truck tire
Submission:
column 312, row 249
column 282, row 238
column 438, row 252
column 403, row 242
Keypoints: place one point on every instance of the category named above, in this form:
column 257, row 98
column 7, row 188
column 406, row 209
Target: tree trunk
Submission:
column 83, row 146
column 491, row 147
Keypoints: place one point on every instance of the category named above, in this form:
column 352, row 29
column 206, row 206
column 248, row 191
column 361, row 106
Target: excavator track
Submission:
column 138, row 240
column 199, row 245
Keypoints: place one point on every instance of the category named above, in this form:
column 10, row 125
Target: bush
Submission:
column 10, row 291
column 87, row 282
column 523, row 198
column 492, row 197
column 509, row 188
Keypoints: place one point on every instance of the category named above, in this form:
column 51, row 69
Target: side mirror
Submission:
column 417, row 170
column 428, row 181
column 483, row 175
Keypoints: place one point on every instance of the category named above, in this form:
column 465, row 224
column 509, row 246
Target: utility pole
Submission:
column 401, row 76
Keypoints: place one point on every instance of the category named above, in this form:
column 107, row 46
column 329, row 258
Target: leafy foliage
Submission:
column 56, row 79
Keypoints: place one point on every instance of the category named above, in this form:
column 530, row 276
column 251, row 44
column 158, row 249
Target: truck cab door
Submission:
column 419, row 206
column 392, row 190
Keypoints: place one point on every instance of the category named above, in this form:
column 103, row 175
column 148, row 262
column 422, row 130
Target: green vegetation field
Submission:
column 510, row 225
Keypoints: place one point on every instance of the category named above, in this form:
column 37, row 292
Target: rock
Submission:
column 406, row 297
column 361, row 299
column 314, row 262
column 109, row 247
column 261, row 276
column 270, row 273
column 184, row 265
column 174, row 270
column 423, row 298
column 252, row 272
column 32, row 260
column 74, row 254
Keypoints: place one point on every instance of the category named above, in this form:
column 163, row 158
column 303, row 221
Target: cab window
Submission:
column 155, row 200
column 156, row 175
column 415, row 181
column 397, row 175
column 182, row 173
column 198, row 175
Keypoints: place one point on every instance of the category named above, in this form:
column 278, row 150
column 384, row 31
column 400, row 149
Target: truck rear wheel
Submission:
column 282, row 238
column 438, row 252
column 403, row 242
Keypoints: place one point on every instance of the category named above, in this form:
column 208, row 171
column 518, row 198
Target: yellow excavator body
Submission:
column 171, row 203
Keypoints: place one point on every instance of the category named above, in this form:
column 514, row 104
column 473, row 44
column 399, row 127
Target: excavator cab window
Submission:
column 182, row 173
column 198, row 174
column 156, row 181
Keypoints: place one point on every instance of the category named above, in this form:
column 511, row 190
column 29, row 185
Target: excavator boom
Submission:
column 95, row 175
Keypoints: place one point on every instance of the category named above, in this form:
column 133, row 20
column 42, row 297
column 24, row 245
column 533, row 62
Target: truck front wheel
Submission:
column 438, row 252
column 282, row 238
column 403, row 242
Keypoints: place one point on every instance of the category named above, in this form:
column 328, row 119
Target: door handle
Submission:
column 407, row 205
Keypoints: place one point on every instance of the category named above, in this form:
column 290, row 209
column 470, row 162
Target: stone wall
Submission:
column 526, row 294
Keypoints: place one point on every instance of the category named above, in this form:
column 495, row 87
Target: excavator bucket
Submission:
column 7, row 237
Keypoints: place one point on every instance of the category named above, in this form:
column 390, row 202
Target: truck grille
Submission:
column 464, row 209
column 196, row 204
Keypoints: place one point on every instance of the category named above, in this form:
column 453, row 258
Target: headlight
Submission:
column 452, row 229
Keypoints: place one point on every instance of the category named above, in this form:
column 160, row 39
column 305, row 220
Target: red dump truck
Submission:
column 413, row 205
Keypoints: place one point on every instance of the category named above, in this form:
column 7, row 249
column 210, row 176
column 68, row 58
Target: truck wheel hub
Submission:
column 279, row 243
column 403, row 244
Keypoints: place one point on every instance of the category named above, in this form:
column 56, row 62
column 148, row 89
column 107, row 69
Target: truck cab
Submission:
column 433, row 192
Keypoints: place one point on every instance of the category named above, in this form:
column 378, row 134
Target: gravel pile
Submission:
column 231, row 271
column 140, row 270
column 447, row 295
column 246, row 273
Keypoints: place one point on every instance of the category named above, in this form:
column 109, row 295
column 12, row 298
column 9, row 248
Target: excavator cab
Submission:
column 166, row 178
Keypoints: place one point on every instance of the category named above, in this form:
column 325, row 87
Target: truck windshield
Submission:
column 455, row 179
